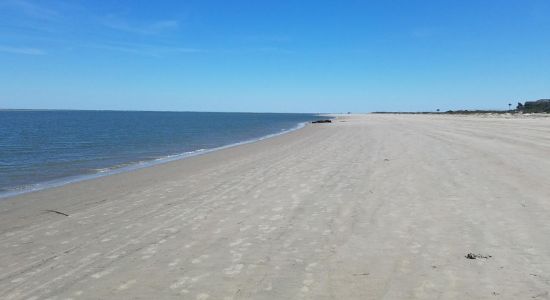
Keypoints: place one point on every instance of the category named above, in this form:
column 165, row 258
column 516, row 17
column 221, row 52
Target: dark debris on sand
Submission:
column 56, row 212
column 476, row 256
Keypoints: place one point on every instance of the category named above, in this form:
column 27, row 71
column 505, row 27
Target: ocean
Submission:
column 40, row 149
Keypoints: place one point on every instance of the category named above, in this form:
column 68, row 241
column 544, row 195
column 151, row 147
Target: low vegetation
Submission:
column 539, row 106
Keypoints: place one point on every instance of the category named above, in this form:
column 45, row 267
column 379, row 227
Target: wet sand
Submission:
column 368, row 207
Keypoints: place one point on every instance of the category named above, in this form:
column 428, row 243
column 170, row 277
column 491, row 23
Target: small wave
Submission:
column 121, row 168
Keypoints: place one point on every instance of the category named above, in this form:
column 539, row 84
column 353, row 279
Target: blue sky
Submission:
column 277, row 56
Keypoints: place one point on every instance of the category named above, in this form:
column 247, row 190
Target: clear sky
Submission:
column 278, row 56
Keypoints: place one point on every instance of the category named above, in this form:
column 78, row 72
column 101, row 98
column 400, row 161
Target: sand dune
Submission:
column 368, row 207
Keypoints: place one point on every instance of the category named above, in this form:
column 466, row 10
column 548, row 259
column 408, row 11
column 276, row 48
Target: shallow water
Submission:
column 41, row 148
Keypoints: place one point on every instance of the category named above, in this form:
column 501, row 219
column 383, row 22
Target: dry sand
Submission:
column 368, row 207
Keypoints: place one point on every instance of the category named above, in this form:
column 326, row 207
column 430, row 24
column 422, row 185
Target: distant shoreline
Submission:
column 451, row 112
column 541, row 106
column 462, row 112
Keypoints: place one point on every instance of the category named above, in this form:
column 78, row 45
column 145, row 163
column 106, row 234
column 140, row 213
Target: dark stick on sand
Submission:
column 57, row 212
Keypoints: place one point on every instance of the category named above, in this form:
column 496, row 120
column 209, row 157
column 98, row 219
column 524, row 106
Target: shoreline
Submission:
column 102, row 186
column 131, row 166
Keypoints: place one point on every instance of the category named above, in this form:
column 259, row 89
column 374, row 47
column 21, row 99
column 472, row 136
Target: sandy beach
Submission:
column 368, row 207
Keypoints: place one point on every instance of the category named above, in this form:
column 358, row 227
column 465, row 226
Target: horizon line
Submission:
column 178, row 111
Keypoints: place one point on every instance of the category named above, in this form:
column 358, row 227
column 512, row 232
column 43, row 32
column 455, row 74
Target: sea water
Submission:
column 40, row 149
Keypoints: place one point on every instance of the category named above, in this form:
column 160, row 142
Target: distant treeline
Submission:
column 539, row 106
